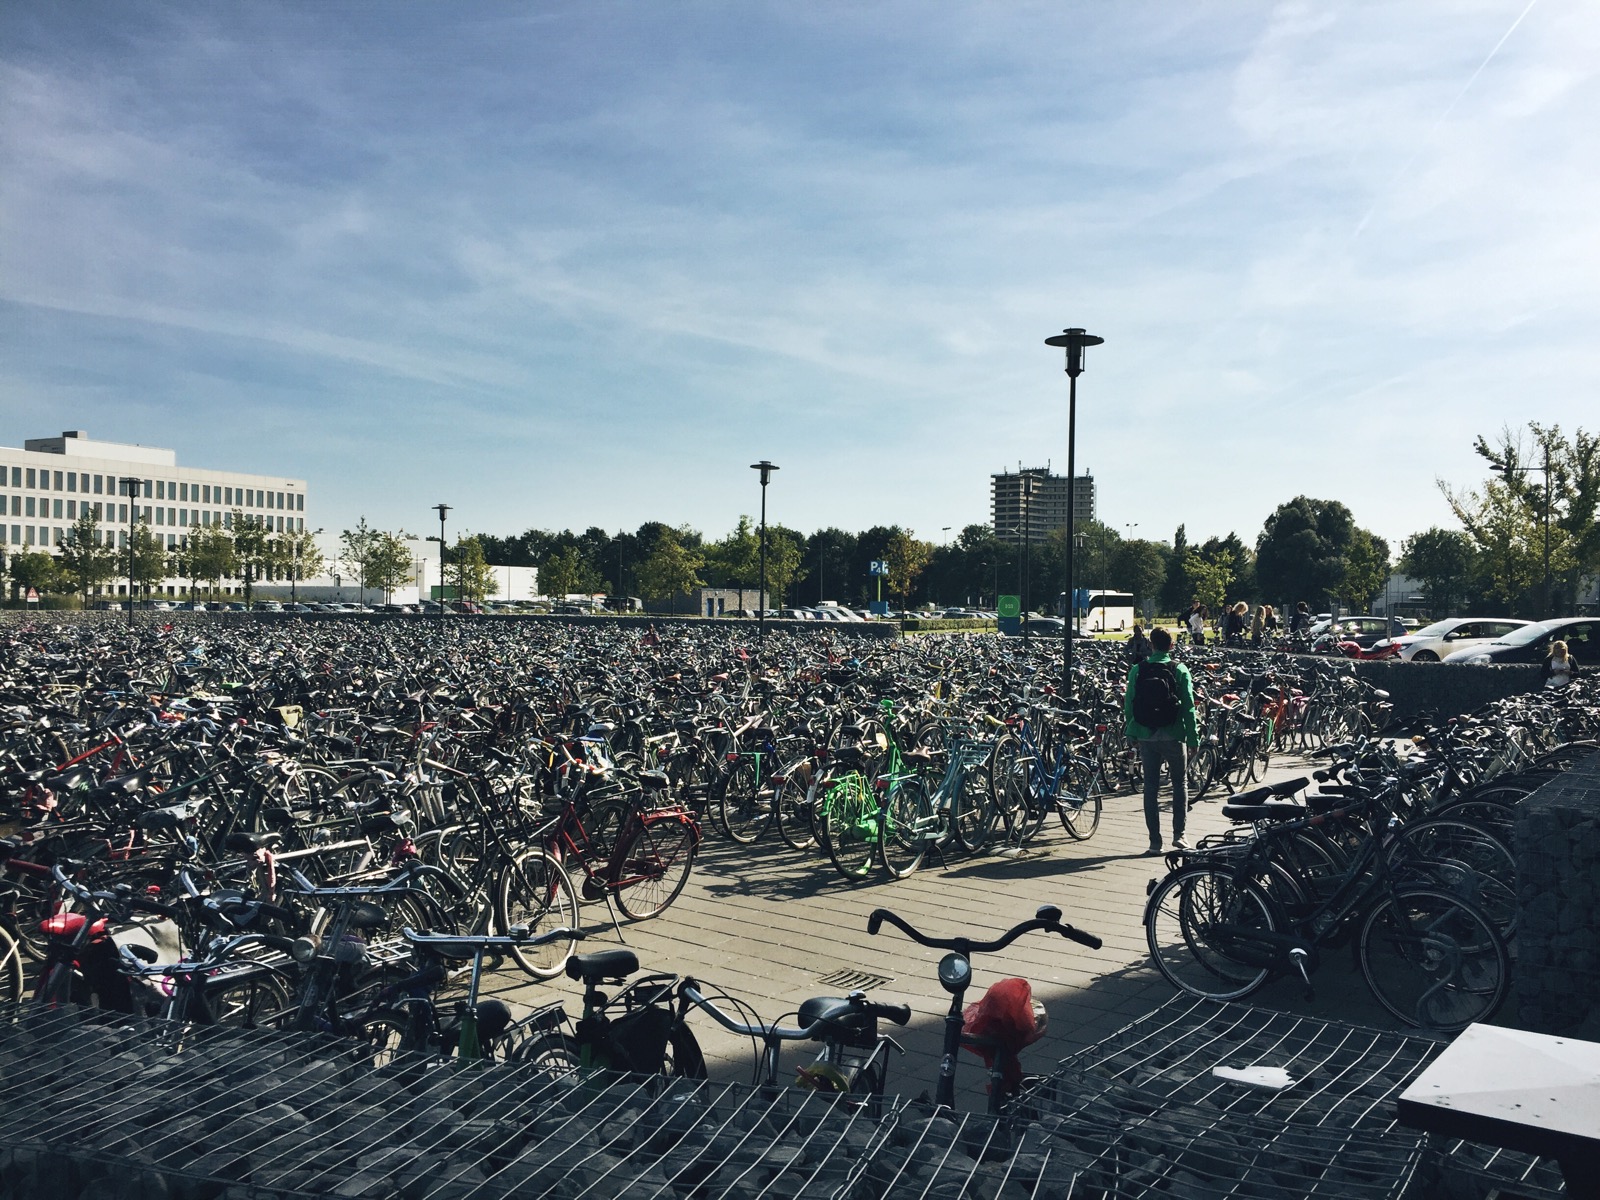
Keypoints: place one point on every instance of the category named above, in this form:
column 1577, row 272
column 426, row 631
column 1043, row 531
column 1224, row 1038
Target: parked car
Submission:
column 192, row 606
column 1049, row 626
column 1531, row 644
column 569, row 610
column 1433, row 642
column 1363, row 631
column 267, row 606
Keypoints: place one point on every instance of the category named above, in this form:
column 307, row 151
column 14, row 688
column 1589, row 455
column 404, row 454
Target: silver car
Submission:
column 1433, row 642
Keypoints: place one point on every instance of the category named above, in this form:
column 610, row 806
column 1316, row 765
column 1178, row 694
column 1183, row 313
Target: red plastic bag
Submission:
column 1004, row 1021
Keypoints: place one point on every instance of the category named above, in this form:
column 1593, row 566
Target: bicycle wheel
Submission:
column 552, row 1054
column 907, row 820
column 746, row 808
column 1198, row 924
column 533, row 889
column 792, row 810
column 384, row 1037
column 258, row 1001
column 1079, row 808
column 850, row 826
column 973, row 811
column 653, row 864
column 1201, row 770
column 1010, row 774
column 1432, row 960
column 11, row 984
column 1463, row 860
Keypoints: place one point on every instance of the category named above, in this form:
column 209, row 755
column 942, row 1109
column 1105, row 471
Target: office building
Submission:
column 1032, row 502
column 51, row 482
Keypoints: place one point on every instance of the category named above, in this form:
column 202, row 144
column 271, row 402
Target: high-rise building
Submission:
column 51, row 482
column 1032, row 502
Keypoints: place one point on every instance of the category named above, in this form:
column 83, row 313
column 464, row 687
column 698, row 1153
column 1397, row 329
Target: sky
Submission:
column 572, row 264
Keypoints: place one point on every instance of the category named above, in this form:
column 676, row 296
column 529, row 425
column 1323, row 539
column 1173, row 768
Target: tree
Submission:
column 671, row 569
column 295, row 556
column 149, row 557
column 1210, row 580
column 1141, row 568
column 33, row 569
column 559, row 574
column 474, row 576
column 1300, row 553
column 906, row 557
column 252, row 548
column 785, row 561
column 84, row 560
column 1366, row 569
column 390, row 564
column 830, row 555
column 356, row 549
column 735, row 561
column 1442, row 561
column 1177, row 591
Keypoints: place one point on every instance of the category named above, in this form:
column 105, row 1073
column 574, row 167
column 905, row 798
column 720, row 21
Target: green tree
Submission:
column 85, row 557
column 671, row 569
column 33, row 569
column 296, row 556
column 1141, row 568
column 149, row 557
column 252, row 549
column 474, row 576
column 907, row 557
column 1209, row 580
column 1177, row 591
column 356, row 549
column 1508, row 541
column 560, row 574
column 1442, row 561
column 735, row 561
column 390, row 564
column 1300, row 553
column 786, row 565
column 1366, row 569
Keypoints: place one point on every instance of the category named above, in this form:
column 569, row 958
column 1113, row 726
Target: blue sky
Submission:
column 566, row 264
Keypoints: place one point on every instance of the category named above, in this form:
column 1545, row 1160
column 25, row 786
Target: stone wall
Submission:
column 1557, row 968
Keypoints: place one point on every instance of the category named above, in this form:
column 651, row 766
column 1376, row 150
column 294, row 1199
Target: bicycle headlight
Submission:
column 304, row 949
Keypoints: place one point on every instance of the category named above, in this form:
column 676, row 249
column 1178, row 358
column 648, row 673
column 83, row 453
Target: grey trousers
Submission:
column 1175, row 754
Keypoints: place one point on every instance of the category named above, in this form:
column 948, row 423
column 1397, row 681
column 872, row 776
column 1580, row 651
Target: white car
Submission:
column 1433, row 642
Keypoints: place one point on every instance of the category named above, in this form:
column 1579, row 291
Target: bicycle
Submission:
column 1006, row 1080
column 1035, row 771
column 1230, row 917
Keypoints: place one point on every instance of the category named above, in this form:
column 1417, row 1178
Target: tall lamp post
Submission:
column 766, row 470
column 442, row 510
column 130, row 488
column 1074, row 341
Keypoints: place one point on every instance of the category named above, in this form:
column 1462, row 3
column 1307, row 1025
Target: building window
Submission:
column 30, row 512
column 161, row 489
column 72, row 510
column 97, row 479
column 61, row 481
column 205, row 493
column 16, row 476
column 57, row 510
column 72, row 481
column 30, row 484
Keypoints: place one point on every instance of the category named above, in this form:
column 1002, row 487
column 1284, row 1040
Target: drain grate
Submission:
column 854, row 981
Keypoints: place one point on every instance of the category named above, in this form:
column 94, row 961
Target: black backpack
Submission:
column 1155, row 695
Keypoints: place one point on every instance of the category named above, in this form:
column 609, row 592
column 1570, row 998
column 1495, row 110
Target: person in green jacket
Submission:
column 1169, row 743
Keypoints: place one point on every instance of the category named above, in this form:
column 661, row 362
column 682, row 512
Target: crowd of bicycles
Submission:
column 340, row 827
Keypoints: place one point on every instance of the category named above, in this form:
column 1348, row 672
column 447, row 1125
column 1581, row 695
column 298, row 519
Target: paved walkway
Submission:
column 766, row 925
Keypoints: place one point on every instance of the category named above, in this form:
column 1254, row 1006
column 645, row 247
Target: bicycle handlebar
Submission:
column 1047, row 918
column 475, row 942
column 128, row 900
column 898, row 1014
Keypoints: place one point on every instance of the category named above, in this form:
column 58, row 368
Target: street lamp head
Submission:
column 1074, row 341
column 766, row 470
column 441, row 509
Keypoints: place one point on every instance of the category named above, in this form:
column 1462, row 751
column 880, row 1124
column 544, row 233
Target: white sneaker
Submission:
column 1181, row 843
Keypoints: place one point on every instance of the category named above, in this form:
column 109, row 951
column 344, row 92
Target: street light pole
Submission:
column 130, row 485
column 1509, row 470
column 441, row 509
column 1074, row 341
column 766, row 470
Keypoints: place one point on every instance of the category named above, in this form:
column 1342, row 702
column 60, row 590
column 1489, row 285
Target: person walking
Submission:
column 1138, row 644
column 1197, row 624
column 1300, row 622
column 1158, row 714
column 1233, row 626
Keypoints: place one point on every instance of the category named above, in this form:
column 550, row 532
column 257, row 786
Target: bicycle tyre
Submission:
column 658, row 857
column 11, row 978
column 552, row 1054
column 533, row 889
column 1463, row 860
column 1201, row 770
column 973, row 811
column 1185, row 920
column 906, row 820
column 744, row 814
column 1079, row 811
column 1433, row 960
column 846, row 810
column 259, row 1001
column 1010, row 773
column 792, row 811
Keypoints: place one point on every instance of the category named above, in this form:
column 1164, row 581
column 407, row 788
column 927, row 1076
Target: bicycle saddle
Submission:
column 248, row 843
column 1273, row 810
column 840, row 1016
column 602, row 965
column 847, row 756
column 654, row 781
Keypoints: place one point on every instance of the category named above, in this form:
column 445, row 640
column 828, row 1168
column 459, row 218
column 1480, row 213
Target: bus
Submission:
column 1101, row 611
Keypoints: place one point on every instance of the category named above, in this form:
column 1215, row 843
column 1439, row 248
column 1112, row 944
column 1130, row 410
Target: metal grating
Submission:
column 854, row 981
column 1345, row 1076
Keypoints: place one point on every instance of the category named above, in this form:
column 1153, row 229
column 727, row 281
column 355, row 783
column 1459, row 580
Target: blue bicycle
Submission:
column 1036, row 769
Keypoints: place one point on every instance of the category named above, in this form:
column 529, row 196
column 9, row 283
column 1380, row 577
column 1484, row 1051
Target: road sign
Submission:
column 879, row 567
column 32, row 596
column 1009, row 606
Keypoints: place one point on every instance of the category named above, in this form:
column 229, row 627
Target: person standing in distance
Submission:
column 1158, row 713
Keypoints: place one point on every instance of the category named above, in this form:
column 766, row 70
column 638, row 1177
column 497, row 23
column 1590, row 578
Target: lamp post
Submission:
column 1074, row 341
column 130, row 487
column 441, row 509
column 1509, row 469
column 766, row 470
